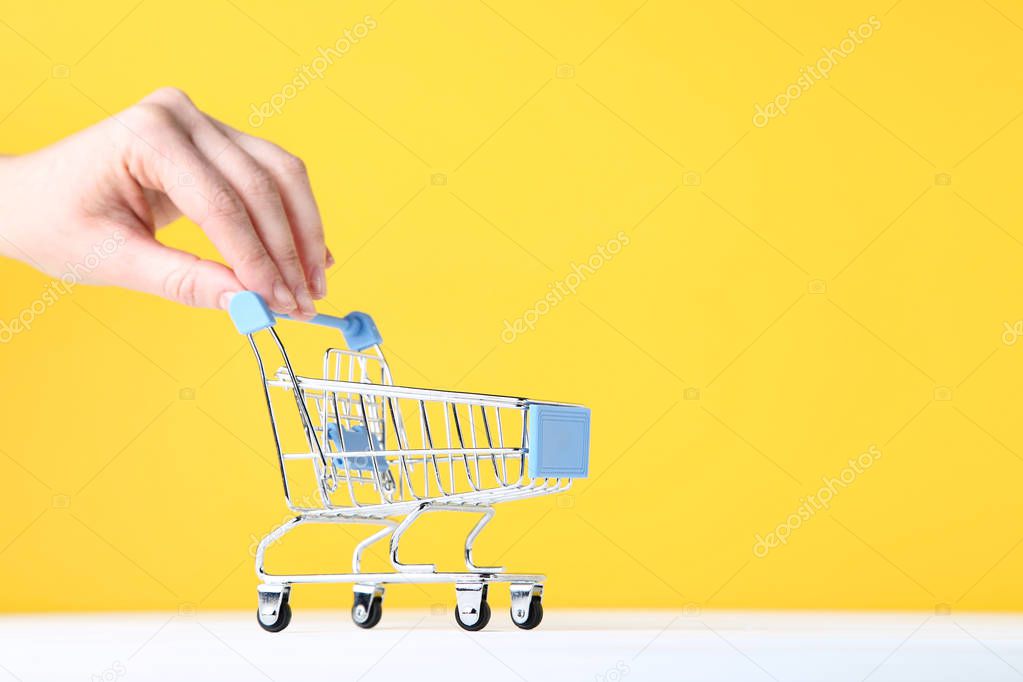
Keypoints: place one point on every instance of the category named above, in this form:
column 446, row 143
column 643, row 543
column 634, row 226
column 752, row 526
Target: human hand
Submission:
column 135, row 172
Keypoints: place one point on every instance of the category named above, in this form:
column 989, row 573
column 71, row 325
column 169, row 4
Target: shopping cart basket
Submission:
column 385, row 455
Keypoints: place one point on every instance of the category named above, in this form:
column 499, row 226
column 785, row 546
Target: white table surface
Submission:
column 611, row 646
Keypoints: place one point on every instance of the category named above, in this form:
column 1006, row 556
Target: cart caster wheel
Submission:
column 278, row 622
column 534, row 616
column 367, row 618
column 480, row 623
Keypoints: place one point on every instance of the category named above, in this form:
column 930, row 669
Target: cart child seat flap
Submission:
column 356, row 440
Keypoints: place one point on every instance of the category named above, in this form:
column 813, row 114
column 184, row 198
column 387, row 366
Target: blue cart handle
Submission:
column 250, row 314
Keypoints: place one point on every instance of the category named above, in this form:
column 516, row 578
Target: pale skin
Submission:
column 145, row 167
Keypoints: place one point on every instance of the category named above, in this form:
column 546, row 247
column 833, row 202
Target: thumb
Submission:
column 147, row 265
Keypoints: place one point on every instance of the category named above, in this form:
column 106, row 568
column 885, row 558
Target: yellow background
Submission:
column 790, row 296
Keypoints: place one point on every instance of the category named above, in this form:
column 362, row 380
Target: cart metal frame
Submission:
column 372, row 468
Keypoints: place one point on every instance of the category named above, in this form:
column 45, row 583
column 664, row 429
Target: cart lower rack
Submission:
column 369, row 452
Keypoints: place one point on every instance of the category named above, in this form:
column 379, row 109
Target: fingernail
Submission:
column 319, row 283
column 225, row 299
column 285, row 299
column 305, row 301
column 330, row 258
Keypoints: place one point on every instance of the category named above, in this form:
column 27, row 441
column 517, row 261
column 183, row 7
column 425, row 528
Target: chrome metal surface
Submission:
column 271, row 598
column 364, row 595
column 469, row 598
column 522, row 594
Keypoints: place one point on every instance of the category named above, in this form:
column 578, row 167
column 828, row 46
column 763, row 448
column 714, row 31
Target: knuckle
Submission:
column 182, row 284
column 153, row 119
column 224, row 204
column 171, row 96
column 253, row 258
column 290, row 260
column 260, row 185
column 291, row 165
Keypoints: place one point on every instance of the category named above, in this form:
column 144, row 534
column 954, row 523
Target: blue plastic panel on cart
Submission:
column 559, row 441
column 356, row 440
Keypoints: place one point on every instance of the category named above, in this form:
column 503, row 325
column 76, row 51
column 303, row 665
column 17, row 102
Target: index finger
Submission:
column 291, row 177
column 200, row 191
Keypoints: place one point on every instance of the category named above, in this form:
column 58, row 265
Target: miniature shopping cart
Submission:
column 385, row 455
